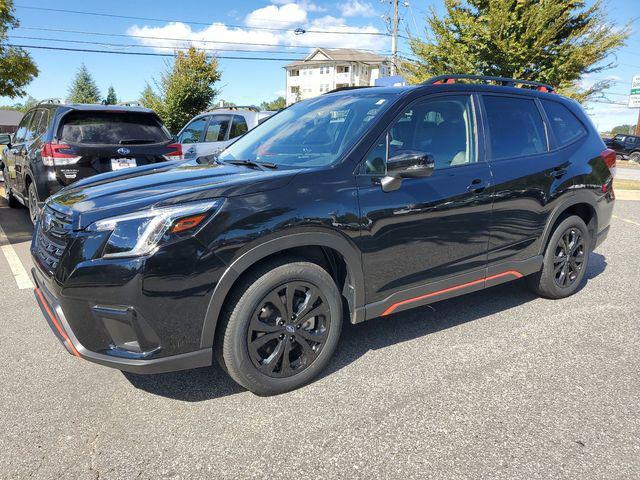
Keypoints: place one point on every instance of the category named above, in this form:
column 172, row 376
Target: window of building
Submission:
column 342, row 69
column 294, row 73
column 515, row 127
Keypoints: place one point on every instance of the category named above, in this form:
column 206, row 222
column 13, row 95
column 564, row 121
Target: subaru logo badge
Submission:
column 123, row 151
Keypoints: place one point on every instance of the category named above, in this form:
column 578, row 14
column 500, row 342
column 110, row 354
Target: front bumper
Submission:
column 56, row 319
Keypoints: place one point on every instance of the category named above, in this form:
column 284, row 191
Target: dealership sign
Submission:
column 634, row 96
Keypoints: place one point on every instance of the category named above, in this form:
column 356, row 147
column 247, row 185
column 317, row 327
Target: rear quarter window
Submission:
column 565, row 125
column 114, row 128
column 515, row 126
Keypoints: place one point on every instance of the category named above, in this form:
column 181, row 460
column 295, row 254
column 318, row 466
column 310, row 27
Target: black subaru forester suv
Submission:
column 345, row 207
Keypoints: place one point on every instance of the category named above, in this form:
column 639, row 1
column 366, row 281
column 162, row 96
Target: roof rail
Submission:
column 131, row 103
column 236, row 107
column 503, row 81
column 353, row 87
column 57, row 101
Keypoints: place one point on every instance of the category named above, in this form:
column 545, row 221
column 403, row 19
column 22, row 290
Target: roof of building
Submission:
column 10, row 117
column 338, row 55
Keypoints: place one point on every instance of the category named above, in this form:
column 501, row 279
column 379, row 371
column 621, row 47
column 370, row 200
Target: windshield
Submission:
column 311, row 133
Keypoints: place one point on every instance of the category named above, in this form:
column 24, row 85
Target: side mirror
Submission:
column 410, row 164
column 5, row 139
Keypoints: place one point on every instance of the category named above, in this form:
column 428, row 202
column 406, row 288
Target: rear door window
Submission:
column 32, row 129
column 566, row 127
column 21, row 132
column 112, row 128
column 515, row 127
column 238, row 126
column 217, row 128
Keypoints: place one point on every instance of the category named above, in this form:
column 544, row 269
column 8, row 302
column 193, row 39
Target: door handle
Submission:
column 477, row 186
column 557, row 172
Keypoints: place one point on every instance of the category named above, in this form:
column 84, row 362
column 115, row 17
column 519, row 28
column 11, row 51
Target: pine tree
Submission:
column 17, row 68
column 84, row 88
column 111, row 99
column 551, row 41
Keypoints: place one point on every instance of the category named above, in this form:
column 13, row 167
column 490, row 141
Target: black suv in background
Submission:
column 355, row 204
column 56, row 145
column 625, row 146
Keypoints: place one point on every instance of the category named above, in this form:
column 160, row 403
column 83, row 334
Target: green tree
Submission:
column 17, row 68
column 551, row 41
column 21, row 107
column 277, row 104
column 84, row 88
column 111, row 99
column 185, row 89
column 623, row 129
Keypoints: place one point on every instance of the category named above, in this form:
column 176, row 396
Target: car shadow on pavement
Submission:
column 356, row 340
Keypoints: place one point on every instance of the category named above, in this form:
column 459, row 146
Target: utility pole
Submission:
column 394, row 38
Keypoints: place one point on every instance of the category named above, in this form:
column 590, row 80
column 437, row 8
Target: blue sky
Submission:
column 243, row 81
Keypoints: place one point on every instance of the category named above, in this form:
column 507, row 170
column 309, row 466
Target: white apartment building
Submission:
column 326, row 69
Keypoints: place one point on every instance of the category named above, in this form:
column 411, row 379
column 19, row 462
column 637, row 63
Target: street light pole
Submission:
column 394, row 38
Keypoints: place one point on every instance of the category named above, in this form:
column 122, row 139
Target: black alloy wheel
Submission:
column 288, row 329
column 569, row 257
column 32, row 203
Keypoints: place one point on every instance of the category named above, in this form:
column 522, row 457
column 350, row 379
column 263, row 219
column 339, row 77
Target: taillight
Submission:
column 175, row 152
column 609, row 157
column 55, row 154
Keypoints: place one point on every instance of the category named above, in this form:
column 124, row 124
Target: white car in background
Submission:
column 210, row 132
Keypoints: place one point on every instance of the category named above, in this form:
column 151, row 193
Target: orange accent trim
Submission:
column 451, row 289
column 55, row 322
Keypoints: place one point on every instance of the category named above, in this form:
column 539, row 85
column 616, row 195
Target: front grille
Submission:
column 53, row 231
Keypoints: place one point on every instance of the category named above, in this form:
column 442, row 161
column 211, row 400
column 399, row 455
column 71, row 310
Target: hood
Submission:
column 167, row 183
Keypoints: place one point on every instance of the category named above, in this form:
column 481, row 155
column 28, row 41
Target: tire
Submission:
column 256, row 312
column 11, row 199
column 32, row 202
column 634, row 157
column 566, row 260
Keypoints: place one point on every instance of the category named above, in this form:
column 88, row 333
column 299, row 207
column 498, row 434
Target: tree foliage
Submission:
column 551, row 41
column 21, row 106
column 184, row 90
column 626, row 129
column 84, row 88
column 274, row 105
column 17, row 68
column 111, row 99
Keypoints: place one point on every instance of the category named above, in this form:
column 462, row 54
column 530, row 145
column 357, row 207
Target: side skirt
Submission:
column 453, row 287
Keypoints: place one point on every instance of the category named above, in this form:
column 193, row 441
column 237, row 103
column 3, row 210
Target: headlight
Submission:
column 140, row 233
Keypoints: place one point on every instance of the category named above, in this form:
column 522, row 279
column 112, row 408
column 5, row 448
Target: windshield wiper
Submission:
column 251, row 163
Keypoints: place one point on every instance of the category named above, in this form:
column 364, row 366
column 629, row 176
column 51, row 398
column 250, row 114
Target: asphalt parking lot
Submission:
column 496, row 384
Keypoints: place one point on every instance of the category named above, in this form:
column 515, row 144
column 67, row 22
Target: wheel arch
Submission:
column 306, row 244
column 581, row 204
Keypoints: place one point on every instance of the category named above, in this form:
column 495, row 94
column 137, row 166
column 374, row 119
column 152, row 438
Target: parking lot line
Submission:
column 626, row 220
column 17, row 269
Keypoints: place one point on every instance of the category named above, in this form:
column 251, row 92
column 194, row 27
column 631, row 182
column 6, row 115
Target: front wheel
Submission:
column 565, row 260
column 282, row 328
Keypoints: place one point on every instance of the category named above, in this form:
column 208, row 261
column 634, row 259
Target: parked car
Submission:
column 625, row 146
column 56, row 145
column 345, row 207
column 210, row 132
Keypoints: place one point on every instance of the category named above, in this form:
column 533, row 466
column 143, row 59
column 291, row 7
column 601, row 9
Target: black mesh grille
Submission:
column 53, row 230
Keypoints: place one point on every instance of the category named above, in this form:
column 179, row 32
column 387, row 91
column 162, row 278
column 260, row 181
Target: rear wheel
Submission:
column 282, row 328
column 32, row 203
column 634, row 157
column 565, row 260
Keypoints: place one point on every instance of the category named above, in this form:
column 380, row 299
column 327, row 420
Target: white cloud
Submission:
column 356, row 8
column 280, row 17
column 289, row 15
column 306, row 4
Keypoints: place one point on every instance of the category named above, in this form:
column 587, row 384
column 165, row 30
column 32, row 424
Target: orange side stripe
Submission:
column 451, row 289
column 55, row 322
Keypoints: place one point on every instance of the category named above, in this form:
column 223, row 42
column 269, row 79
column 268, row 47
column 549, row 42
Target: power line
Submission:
column 150, row 19
column 147, row 37
column 151, row 54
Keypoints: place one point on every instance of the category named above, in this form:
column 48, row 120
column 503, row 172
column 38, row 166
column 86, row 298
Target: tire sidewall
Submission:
column 32, row 191
column 235, row 351
column 548, row 276
column 634, row 157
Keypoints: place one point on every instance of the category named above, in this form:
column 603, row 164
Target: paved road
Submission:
column 628, row 173
column 497, row 384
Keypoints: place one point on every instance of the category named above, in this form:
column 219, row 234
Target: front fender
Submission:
column 302, row 239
